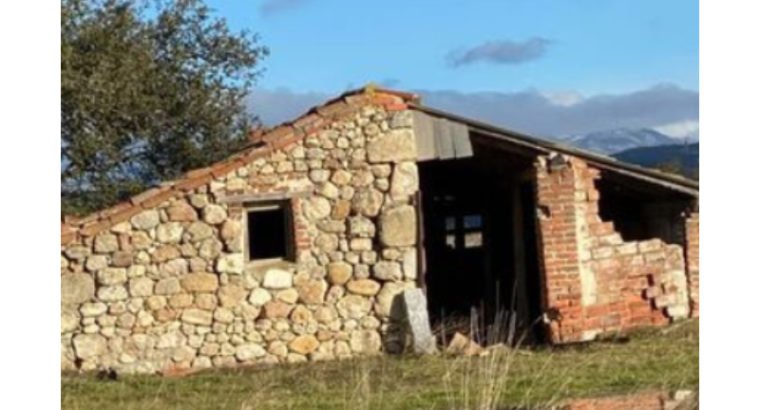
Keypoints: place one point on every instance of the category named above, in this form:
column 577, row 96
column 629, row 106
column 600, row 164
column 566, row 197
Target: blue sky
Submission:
column 567, row 52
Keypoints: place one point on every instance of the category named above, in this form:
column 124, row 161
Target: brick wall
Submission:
column 646, row 400
column 594, row 280
column 558, row 247
column 641, row 401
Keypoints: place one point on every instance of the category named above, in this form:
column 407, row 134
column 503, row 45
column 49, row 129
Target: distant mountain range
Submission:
column 617, row 140
column 645, row 147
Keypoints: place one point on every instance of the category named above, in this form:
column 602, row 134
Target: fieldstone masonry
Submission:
column 170, row 287
column 162, row 282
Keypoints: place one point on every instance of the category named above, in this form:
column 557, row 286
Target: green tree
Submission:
column 148, row 91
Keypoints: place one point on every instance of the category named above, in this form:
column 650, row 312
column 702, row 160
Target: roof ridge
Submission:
column 284, row 134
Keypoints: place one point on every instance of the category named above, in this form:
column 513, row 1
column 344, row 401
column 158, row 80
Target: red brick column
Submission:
column 560, row 265
column 300, row 227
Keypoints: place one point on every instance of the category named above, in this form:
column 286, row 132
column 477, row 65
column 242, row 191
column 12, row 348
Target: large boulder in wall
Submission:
column 398, row 226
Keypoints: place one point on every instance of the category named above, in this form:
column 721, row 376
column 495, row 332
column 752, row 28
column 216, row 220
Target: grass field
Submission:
column 665, row 359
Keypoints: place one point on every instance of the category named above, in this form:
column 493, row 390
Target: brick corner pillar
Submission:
column 556, row 186
column 692, row 260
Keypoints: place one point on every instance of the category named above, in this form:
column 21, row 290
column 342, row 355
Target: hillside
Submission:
column 669, row 157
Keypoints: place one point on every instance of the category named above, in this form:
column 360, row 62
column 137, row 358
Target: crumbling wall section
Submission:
column 594, row 281
column 161, row 283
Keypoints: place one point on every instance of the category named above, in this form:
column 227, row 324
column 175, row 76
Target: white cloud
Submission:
column 270, row 7
column 281, row 104
column 539, row 113
column 500, row 52
column 534, row 113
column 565, row 98
column 681, row 129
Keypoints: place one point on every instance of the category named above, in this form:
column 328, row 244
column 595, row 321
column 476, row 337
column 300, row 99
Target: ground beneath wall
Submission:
column 661, row 360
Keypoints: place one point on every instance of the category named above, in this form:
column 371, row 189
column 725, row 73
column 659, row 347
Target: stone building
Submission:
column 295, row 248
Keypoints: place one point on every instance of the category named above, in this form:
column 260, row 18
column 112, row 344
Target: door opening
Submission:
column 481, row 267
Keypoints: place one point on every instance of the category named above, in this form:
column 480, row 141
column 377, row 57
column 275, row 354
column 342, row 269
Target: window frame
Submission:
column 459, row 229
column 289, row 234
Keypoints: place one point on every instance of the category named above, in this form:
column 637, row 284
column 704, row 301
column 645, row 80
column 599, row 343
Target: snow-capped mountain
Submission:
column 613, row 141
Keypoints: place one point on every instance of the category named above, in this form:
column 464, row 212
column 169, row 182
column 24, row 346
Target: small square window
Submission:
column 451, row 241
column 269, row 234
column 473, row 239
column 451, row 223
column 473, row 221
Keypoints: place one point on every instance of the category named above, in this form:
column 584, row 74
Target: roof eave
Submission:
column 671, row 181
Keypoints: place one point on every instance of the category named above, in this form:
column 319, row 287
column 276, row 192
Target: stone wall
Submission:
column 692, row 260
column 161, row 282
column 595, row 281
column 168, row 287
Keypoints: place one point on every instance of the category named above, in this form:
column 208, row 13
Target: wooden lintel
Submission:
column 524, row 150
column 263, row 197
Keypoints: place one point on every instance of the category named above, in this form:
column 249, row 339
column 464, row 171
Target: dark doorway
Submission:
column 480, row 244
column 533, row 282
column 455, row 239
